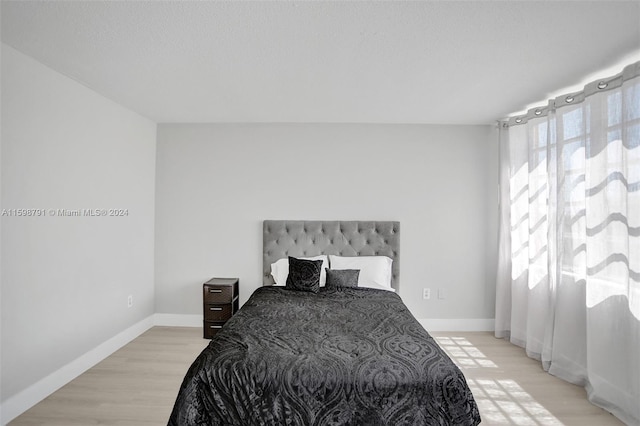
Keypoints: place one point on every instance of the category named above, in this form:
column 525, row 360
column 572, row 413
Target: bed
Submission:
column 338, row 356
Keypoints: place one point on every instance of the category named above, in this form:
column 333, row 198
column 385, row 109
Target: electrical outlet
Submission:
column 130, row 301
column 426, row 293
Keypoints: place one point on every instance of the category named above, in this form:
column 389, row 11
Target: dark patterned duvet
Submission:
column 351, row 356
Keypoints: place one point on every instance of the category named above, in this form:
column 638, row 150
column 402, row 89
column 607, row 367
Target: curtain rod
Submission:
column 629, row 72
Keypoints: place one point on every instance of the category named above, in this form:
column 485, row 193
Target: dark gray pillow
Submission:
column 342, row 278
column 304, row 275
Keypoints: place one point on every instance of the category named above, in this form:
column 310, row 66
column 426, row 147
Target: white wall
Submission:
column 216, row 183
column 65, row 280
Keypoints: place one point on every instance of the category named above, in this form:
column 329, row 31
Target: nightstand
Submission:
column 219, row 303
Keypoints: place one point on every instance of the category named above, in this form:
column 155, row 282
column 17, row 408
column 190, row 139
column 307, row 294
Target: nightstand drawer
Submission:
column 218, row 294
column 219, row 302
column 217, row 312
column 211, row 328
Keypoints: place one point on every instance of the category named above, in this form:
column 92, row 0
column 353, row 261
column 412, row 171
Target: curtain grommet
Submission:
column 602, row 85
column 569, row 99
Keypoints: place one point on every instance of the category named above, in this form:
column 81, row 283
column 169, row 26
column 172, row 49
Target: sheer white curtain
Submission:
column 569, row 264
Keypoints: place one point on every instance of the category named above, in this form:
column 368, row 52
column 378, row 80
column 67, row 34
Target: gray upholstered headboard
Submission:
column 282, row 238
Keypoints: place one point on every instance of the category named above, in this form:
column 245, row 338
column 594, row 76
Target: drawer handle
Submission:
column 215, row 309
column 215, row 290
column 215, row 326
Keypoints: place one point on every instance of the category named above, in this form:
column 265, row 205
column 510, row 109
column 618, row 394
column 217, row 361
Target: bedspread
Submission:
column 350, row 356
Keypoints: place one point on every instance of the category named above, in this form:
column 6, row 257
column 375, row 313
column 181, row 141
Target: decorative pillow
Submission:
column 342, row 278
column 375, row 271
column 280, row 269
column 304, row 275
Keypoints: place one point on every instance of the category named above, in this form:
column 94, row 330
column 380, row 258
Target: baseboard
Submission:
column 177, row 320
column 21, row 402
column 464, row 324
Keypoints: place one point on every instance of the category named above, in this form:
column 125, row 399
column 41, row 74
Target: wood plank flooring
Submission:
column 513, row 389
column 138, row 384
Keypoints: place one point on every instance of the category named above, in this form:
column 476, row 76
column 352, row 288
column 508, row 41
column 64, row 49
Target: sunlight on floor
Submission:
column 504, row 402
column 463, row 353
column 500, row 401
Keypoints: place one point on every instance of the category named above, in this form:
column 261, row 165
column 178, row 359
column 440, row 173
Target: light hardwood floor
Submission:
column 138, row 384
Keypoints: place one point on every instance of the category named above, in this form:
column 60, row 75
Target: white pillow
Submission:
column 378, row 287
column 280, row 269
column 375, row 271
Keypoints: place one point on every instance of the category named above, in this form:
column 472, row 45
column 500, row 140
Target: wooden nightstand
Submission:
column 219, row 303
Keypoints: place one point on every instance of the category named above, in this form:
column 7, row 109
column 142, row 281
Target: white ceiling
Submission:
column 366, row 62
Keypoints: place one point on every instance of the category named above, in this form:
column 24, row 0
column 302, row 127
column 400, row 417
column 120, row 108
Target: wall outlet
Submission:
column 130, row 301
column 426, row 293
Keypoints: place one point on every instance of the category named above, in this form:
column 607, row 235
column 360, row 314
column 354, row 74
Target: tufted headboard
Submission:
column 282, row 238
